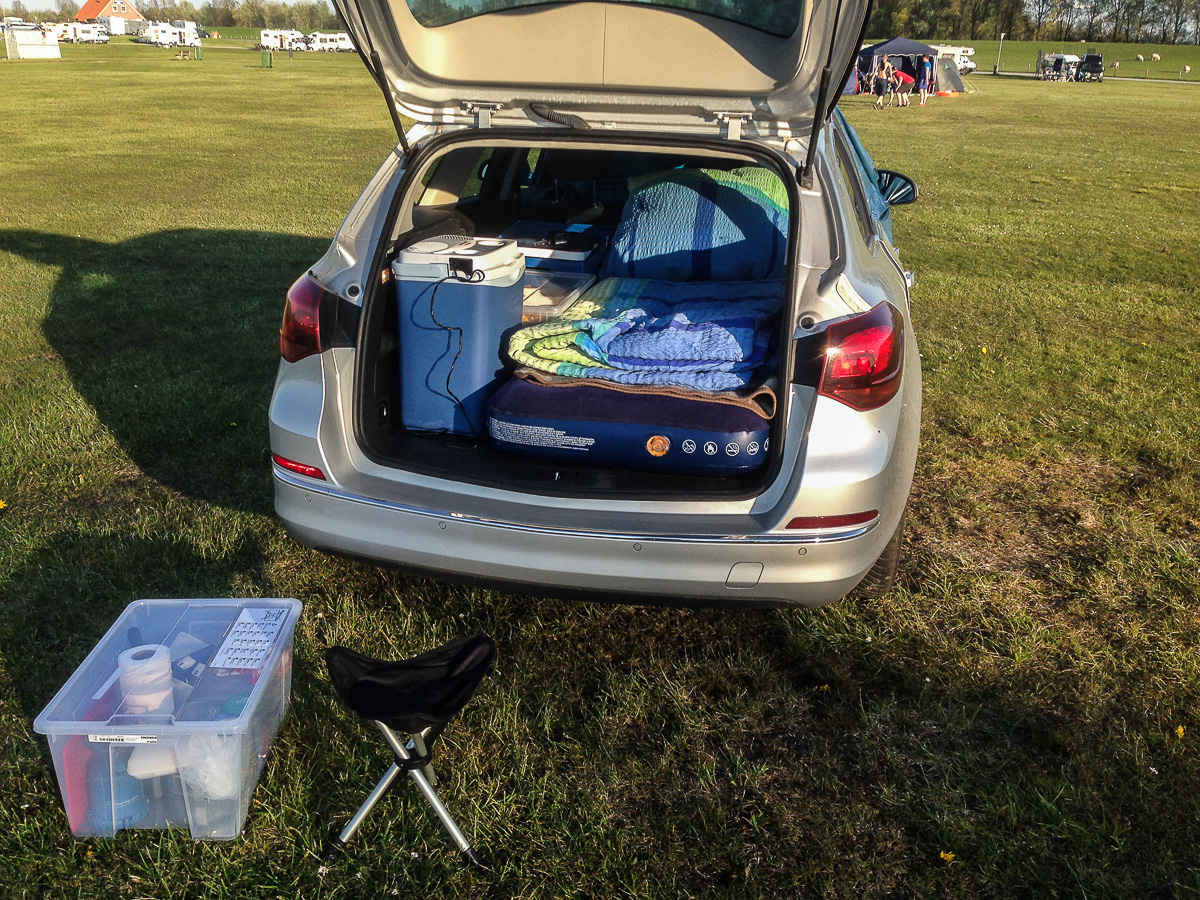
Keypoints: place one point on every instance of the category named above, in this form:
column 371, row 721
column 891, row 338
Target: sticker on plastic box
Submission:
column 123, row 738
column 249, row 641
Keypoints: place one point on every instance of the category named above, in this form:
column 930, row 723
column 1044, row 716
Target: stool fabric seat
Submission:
column 425, row 691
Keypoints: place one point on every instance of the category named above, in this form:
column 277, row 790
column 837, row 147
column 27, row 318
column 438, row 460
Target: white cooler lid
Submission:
column 435, row 258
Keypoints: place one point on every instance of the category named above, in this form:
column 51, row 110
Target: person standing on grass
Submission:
column 925, row 78
column 883, row 73
column 882, row 81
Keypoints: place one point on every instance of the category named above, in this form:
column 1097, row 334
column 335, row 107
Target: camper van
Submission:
column 281, row 40
column 960, row 55
column 329, row 42
column 77, row 33
column 169, row 36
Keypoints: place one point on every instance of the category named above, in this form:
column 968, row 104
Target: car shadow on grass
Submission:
column 172, row 338
column 61, row 598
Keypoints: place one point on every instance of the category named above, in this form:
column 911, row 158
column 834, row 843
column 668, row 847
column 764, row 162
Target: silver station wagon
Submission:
column 620, row 315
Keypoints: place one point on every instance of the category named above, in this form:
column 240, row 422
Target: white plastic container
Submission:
column 169, row 719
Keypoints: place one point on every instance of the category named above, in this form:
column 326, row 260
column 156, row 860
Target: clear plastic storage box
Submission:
column 548, row 294
column 169, row 719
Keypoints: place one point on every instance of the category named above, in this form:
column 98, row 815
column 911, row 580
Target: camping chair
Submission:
column 417, row 697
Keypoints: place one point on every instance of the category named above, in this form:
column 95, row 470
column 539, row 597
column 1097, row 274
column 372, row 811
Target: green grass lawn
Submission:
column 1018, row 719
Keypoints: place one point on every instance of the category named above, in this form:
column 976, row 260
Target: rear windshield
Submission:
column 779, row 17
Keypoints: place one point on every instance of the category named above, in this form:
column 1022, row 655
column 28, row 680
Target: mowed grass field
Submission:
column 1019, row 719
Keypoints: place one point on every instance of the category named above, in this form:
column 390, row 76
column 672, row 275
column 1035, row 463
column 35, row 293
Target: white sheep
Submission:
column 1141, row 58
column 1156, row 57
column 1117, row 64
column 1187, row 70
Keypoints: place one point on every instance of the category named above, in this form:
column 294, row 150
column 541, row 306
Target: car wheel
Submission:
column 882, row 576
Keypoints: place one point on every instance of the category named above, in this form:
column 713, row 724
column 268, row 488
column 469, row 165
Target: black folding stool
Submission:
column 416, row 697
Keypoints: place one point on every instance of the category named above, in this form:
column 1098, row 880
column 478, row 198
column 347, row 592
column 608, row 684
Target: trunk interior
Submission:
column 428, row 392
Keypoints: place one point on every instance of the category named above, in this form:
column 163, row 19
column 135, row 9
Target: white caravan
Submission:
column 281, row 40
column 329, row 42
column 170, row 36
column 79, row 33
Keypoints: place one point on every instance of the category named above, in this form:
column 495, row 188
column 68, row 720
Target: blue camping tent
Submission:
column 897, row 46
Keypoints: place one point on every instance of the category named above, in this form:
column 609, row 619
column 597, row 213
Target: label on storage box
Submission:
column 249, row 641
column 123, row 738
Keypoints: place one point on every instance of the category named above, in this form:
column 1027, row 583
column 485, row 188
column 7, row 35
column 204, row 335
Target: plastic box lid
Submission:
column 548, row 293
column 222, row 653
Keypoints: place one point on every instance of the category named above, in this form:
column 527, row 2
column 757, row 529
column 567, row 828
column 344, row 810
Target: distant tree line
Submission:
column 308, row 15
column 1119, row 21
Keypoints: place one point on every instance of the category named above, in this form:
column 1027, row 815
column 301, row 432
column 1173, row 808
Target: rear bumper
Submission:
column 801, row 569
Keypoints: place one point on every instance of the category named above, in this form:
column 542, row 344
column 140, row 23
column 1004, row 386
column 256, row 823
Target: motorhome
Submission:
column 169, row 36
column 80, row 33
column 114, row 24
column 281, row 40
column 960, row 55
column 329, row 42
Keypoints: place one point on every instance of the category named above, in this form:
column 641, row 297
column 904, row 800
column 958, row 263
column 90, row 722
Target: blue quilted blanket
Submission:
column 702, row 225
column 708, row 336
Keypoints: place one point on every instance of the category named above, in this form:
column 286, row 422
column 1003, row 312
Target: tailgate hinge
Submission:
column 733, row 124
column 481, row 111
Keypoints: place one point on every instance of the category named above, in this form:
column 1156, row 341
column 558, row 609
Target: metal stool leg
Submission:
column 422, row 783
column 418, row 743
column 385, row 785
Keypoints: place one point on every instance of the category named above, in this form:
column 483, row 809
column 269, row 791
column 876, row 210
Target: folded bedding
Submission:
column 702, row 225
column 708, row 336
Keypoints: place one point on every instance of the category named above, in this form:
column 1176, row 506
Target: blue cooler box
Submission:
column 459, row 299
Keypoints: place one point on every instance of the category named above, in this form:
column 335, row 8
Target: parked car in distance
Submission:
column 1091, row 67
column 618, row 317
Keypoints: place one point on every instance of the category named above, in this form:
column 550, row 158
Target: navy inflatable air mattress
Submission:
column 634, row 429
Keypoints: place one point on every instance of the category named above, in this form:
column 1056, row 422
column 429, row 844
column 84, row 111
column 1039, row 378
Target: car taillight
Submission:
column 298, row 467
column 300, row 333
column 863, row 358
column 842, row 521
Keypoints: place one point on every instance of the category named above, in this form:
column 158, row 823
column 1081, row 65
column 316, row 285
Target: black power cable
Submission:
column 470, row 279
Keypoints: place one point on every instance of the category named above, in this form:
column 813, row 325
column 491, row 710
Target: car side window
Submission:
column 853, row 157
column 853, row 184
column 456, row 176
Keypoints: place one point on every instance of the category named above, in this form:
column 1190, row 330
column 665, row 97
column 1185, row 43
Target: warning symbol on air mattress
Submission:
column 710, row 448
column 752, row 448
column 689, row 446
column 732, row 449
